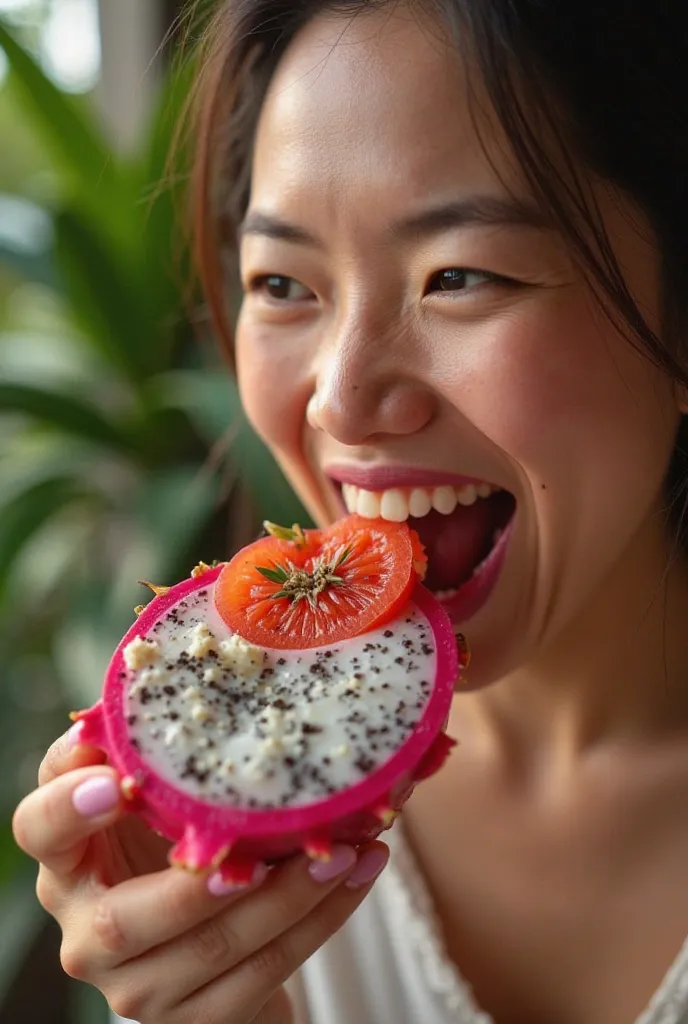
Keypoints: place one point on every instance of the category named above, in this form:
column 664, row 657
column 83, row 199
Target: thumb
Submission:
column 66, row 754
column 54, row 823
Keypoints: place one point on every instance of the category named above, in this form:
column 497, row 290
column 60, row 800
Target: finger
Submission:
column 277, row 1010
column 248, row 987
column 226, row 939
column 53, row 824
column 175, row 917
column 145, row 912
column 133, row 1004
column 67, row 753
column 99, row 938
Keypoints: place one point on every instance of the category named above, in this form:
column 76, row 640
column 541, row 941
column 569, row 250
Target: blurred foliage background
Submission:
column 123, row 450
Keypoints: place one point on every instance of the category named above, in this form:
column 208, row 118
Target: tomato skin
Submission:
column 364, row 569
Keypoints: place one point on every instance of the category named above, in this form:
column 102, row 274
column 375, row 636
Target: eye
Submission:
column 460, row 279
column 280, row 288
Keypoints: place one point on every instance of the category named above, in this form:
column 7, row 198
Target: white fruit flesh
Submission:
column 231, row 723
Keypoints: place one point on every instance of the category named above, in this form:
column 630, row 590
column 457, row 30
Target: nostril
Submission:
column 312, row 410
column 356, row 400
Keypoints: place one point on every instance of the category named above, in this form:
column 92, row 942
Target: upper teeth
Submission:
column 397, row 504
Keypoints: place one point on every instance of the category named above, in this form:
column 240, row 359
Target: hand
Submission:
column 162, row 945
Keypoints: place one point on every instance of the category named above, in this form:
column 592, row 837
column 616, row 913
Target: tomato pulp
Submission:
column 307, row 588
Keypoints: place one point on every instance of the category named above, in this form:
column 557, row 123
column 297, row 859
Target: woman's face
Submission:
column 412, row 329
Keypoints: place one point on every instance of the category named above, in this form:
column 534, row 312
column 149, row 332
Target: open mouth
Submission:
column 464, row 527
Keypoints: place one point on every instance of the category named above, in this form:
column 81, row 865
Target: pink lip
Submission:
column 380, row 478
column 470, row 597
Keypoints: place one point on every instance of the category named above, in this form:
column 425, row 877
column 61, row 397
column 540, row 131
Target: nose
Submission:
column 367, row 386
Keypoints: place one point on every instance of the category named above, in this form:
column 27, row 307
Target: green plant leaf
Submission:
column 172, row 509
column 90, row 1006
column 30, row 461
column 46, row 565
column 11, row 857
column 21, row 917
column 212, row 401
column 167, row 128
column 162, row 176
column 207, row 396
column 84, row 642
column 26, row 239
column 167, row 522
column 67, row 413
column 81, row 152
column 27, row 511
column 104, row 295
column 32, row 266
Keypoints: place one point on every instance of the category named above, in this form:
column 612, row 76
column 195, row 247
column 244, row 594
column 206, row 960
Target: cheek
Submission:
column 274, row 385
column 556, row 388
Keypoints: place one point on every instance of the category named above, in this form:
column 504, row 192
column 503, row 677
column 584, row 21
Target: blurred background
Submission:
column 123, row 451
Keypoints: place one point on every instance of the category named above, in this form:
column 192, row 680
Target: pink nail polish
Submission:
column 218, row 887
column 98, row 795
column 369, row 866
column 341, row 859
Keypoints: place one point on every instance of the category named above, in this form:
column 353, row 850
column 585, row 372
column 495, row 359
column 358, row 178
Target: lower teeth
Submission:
column 480, row 566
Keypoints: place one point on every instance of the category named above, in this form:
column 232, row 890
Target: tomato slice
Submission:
column 307, row 588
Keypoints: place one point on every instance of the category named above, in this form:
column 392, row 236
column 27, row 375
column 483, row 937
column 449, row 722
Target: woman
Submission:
column 461, row 235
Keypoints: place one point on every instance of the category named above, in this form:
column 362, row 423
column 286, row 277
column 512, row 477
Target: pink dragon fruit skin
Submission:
column 208, row 835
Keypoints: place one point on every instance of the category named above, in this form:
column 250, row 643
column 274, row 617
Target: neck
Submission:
column 616, row 674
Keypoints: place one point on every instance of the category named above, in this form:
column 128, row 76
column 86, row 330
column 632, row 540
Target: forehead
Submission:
column 378, row 104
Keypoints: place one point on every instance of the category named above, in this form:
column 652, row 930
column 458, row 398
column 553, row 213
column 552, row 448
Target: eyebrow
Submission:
column 477, row 211
column 259, row 223
column 480, row 211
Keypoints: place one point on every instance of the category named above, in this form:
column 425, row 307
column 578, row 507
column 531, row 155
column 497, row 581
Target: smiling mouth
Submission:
column 464, row 528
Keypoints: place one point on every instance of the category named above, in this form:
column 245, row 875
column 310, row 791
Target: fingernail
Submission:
column 217, row 886
column 96, row 796
column 369, row 866
column 74, row 735
column 342, row 858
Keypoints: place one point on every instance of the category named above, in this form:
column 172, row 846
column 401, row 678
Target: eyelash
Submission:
column 261, row 283
column 461, row 273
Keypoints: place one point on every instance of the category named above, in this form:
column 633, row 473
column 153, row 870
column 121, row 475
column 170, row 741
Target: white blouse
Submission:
column 388, row 964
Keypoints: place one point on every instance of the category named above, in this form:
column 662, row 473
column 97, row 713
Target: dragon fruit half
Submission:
column 240, row 752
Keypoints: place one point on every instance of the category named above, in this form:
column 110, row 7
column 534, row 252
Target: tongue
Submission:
column 455, row 544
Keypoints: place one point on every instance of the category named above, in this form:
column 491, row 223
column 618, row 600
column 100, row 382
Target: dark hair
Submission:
column 603, row 81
